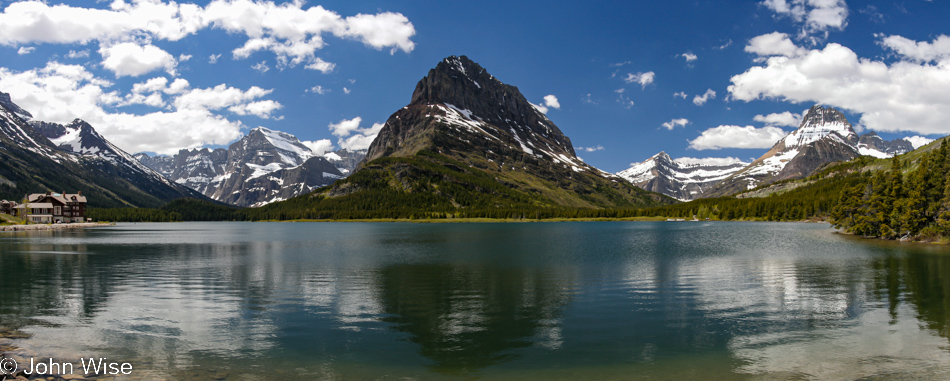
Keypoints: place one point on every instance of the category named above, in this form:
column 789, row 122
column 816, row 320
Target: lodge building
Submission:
column 49, row 207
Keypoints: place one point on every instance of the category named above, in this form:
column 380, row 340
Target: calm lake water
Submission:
column 594, row 300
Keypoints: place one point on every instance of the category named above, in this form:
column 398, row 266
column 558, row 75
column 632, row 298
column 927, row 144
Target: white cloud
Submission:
column 261, row 109
column 540, row 107
column 938, row 50
column 345, row 126
column 213, row 59
column 131, row 59
column 150, row 86
column 318, row 90
column 351, row 136
column 902, row 96
column 690, row 57
column 321, row 66
column 918, row 141
column 786, row 118
column 816, row 17
column 591, row 149
column 346, row 91
column 25, row 50
column 681, row 94
column 178, row 86
column 676, row 122
column 551, row 101
column 80, row 54
column 60, row 93
column 725, row 45
column 643, row 79
column 319, row 147
column 184, row 57
column 700, row 100
column 708, row 161
column 737, row 137
column 773, row 44
column 261, row 66
column 292, row 33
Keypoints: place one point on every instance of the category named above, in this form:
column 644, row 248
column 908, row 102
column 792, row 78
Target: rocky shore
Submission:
column 18, row 228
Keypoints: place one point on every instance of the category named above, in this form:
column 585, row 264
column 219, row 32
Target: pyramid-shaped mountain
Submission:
column 467, row 141
column 824, row 136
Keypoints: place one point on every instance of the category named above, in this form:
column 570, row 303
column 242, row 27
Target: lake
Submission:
column 569, row 300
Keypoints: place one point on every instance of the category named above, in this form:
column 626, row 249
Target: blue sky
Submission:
column 630, row 78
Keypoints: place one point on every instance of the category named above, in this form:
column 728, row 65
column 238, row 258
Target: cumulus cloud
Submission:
column 773, row 44
column 77, row 54
column 319, row 147
column 25, row 50
column 700, row 100
column 643, row 79
column 737, row 137
column 184, row 57
column 551, row 101
column 347, row 91
column 690, row 57
column 708, row 161
column 682, row 122
column 321, row 66
column 192, row 118
column 213, row 59
column 352, row 136
column 918, row 141
column 131, row 59
column 786, row 118
column 908, row 95
column 816, row 17
column 292, row 33
column 681, row 94
column 938, row 50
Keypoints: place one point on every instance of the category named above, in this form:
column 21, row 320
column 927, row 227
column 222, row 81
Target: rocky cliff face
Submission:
column 463, row 119
column 263, row 167
column 683, row 179
column 462, row 96
column 824, row 136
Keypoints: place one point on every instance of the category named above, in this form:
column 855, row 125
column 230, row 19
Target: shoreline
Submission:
column 40, row 227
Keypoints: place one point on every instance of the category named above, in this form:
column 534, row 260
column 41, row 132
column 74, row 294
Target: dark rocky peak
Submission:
column 7, row 103
column 818, row 115
column 460, row 93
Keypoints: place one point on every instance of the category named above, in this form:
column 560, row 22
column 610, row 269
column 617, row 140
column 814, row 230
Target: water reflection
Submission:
column 465, row 318
column 597, row 300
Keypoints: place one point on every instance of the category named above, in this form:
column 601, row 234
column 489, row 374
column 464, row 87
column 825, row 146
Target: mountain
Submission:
column 76, row 159
column 824, row 136
column 345, row 160
column 263, row 167
column 683, row 179
column 872, row 145
column 466, row 141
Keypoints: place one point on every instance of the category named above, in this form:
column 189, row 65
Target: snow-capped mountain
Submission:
column 872, row 145
column 345, row 160
column 684, row 178
column 461, row 118
column 40, row 156
column 263, row 167
column 462, row 95
column 824, row 136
